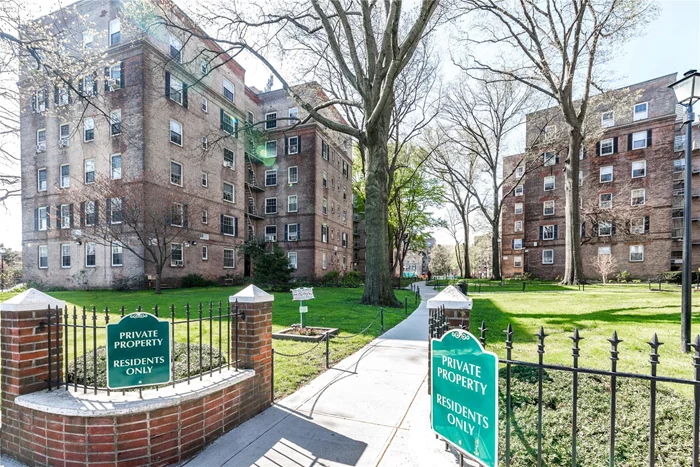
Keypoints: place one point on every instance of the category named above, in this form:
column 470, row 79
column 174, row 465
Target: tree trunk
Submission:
column 378, row 290
column 467, row 262
column 573, row 266
column 460, row 260
column 159, row 273
column 495, row 253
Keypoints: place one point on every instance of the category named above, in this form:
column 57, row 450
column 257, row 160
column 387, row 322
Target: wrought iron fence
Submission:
column 68, row 335
column 438, row 325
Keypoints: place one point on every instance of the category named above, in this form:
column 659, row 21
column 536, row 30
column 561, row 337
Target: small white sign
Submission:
column 303, row 309
column 303, row 293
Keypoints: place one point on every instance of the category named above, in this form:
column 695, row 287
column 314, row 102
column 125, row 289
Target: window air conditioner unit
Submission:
column 113, row 85
column 677, row 261
column 204, row 236
column 63, row 143
column 228, row 164
column 178, row 263
column 41, row 147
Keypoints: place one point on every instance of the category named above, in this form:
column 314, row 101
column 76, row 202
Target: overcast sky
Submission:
column 671, row 44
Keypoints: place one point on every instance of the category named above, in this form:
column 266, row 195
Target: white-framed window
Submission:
column 293, row 115
column 88, row 37
column 271, row 149
column 639, row 169
column 678, row 165
column 519, row 190
column 176, row 257
column 641, row 111
column 639, row 140
column 88, row 85
column 65, row 176
column 519, row 172
column 65, row 255
column 637, row 226
column 175, row 173
column 324, row 262
column 547, row 256
column 518, row 208
column 89, row 129
column 325, row 149
column 607, row 119
column 293, row 174
column 604, row 250
column 205, row 253
column 324, row 208
column 205, row 105
column 205, row 143
column 607, row 147
column 639, row 197
column 271, row 177
column 549, row 183
column 42, row 218
column 605, row 200
column 344, row 240
column 636, row 253
column 292, row 256
column 43, row 256
column 548, row 208
column 177, row 215
column 116, row 166
column 64, row 135
column 606, row 174
column 175, row 49
column 117, row 254
column 65, row 216
column 228, row 225
column 548, row 232
column 41, row 182
column 204, row 66
column 518, row 226
column 176, row 132
column 270, row 205
column 229, row 194
column 293, row 145
column 229, row 158
column 517, row 261
column 518, row 244
column 324, row 233
column 114, row 81
column 114, row 32
column 271, row 120
column 549, row 132
column 292, row 203
column 90, row 213
column 205, row 216
column 115, row 119
column 270, row 233
column 41, row 140
column 205, row 180
column 550, row 158
column 292, row 232
column 115, row 207
column 229, row 258
column 176, row 89
column 325, row 179
column 40, row 100
column 605, row 229
column 90, row 255
column 228, row 90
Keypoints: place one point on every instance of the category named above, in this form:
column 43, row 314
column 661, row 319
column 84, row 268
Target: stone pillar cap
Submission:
column 31, row 300
column 252, row 294
column 451, row 298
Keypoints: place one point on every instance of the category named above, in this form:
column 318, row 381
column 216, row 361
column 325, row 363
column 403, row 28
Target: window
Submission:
column 639, row 197
column 604, row 250
column 605, row 200
column 292, row 232
column 116, row 166
column 40, row 100
column 205, row 216
column 116, row 210
column 549, row 232
column 271, row 149
column 90, row 213
column 42, row 218
column 605, row 229
column 519, row 190
column 324, row 263
column 639, row 140
column 270, row 205
column 114, row 79
column 88, row 86
column 229, row 123
column 270, row 233
column 176, row 90
column 205, row 180
column 271, row 121
column 292, row 203
column 547, row 256
column 205, row 105
column 293, row 174
column 176, row 255
column 345, row 193
column 324, row 150
column 271, row 177
column 518, row 208
column 518, row 226
column 324, row 233
column 517, row 261
column 636, row 253
column 519, row 172
column 228, row 91
column 325, row 207
column 41, row 180
column 43, row 256
column 518, row 244
column 607, row 119
column 549, row 132
column 205, row 253
column 639, row 169
column 293, row 145
column 65, row 176
column 90, row 256
column 89, row 127
column 641, row 111
column 293, row 115
column 175, row 49
column 228, row 225
column 292, row 255
column 678, row 165
column 229, row 158
column 114, row 32
column 205, row 143
column 117, row 254
column 41, row 140
column 325, row 180
column 228, row 192
column 345, row 240
column 175, row 173
column 606, row 174
column 229, row 258
column 607, row 147
column 204, row 66
column 549, row 158
column 176, row 215
column 87, row 39
column 65, row 255
column 549, row 183
column 65, row 214
column 548, row 208
column 638, row 226
column 64, row 136
column 176, row 132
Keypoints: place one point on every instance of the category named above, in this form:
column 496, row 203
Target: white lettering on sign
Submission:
column 138, row 339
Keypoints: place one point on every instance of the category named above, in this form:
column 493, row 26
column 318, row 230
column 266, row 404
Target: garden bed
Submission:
column 307, row 334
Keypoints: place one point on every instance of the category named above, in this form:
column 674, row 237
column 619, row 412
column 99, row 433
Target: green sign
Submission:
column 464, row 383
column 138, row 351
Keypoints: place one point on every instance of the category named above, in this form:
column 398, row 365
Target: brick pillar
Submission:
column 255, row 344
column 25, row 360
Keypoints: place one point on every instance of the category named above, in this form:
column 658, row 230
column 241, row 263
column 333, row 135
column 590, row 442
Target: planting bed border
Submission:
column 282, row 335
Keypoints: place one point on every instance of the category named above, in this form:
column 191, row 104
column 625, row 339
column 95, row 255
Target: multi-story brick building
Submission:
column 166, row 112
column 631, row 189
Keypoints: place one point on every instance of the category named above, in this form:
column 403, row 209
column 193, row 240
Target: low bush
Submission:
column 676, row 277
column 623, row 276
column 331, row 279
column 233, row 279
column 196, row 280
column 352, row 279
column 122, row 284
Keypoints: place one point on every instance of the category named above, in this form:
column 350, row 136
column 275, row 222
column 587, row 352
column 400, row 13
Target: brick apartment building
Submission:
column 294, row 188
column 631, row 190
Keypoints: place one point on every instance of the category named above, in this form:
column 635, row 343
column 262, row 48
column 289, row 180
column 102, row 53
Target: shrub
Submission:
column 233, row 279
column 623, row 276
column 331, row 279
column 122, row 284
column 352, row 279
column 676, row 277
column 196, row 280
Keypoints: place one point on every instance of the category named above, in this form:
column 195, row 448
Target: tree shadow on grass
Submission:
column 496, row 321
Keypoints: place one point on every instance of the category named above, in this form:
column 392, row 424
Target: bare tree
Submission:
column 557, row 47
column 454, row 226
column 604, row 265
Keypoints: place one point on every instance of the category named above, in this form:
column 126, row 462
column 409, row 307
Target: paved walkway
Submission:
column 371, row 409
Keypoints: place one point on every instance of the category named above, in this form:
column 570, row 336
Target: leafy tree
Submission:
column 441, row 260
column 271, row 267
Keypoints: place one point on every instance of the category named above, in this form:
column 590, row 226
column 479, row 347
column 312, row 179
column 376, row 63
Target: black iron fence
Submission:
column 438, row 325
column 73, row 337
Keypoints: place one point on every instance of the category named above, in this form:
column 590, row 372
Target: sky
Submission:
column 671, row 44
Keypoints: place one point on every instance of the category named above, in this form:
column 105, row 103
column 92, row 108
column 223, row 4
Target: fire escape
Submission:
column 252, row 187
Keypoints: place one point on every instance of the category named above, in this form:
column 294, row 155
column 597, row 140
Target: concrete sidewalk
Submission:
column 371, row 409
